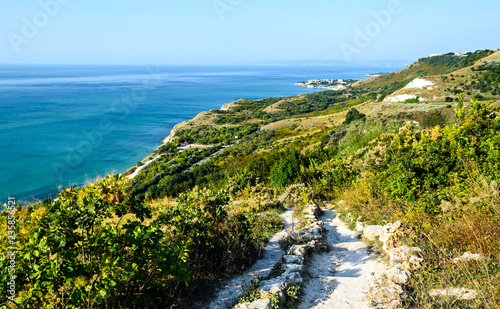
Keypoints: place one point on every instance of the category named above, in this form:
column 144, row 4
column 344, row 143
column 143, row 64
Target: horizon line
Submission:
column 266, row 63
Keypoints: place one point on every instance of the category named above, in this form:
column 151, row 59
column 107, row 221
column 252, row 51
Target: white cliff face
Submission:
column 399, row 98
column 408, row 92
column 419, row 84
column 170, row 137
column 230, row 106
column 226, row 107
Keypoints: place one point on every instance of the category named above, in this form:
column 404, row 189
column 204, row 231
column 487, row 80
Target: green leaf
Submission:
column 98, row 300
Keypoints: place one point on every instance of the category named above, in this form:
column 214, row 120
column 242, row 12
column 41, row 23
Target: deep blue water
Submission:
column 61, row 125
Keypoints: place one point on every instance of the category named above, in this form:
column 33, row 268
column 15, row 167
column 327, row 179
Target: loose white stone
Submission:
column 360, row 226
column 300, row 250
column 402, row 254
column 294, row 259
column 457, row 293
column 372, row 232
column 398, row 275
column 468, row 257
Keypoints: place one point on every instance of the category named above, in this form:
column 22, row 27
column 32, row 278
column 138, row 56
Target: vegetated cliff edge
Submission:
column 433, row 165
column 200, row 119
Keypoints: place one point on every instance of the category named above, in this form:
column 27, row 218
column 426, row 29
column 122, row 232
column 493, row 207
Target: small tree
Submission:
column 286, row 172
column 353, row 115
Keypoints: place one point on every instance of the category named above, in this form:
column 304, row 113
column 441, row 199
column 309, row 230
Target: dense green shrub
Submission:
column 98, row 246
column 353, row 115
column 449, row 62
column 171, row 173
column 442, row 182
column 286, row 172
column 208, row 135
column 77, row 252
column 231, row 119
column 414, row 100
column 434, row 118
column 422, row 166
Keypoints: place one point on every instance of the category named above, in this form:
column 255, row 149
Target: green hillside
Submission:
column 181, row 226
column 436, row 65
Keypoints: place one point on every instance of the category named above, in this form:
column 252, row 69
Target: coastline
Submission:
column 328, row 84
column 131, row 172
column 136, row 141
column 225, row 107
column 129, row 168
column 336, row 88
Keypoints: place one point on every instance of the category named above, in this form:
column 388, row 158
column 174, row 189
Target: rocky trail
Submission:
column 332, row 265
column 342, row 277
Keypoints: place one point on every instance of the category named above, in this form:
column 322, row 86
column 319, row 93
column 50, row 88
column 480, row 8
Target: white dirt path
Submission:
column 271, row 254
column 341, row 277
column 140, row 168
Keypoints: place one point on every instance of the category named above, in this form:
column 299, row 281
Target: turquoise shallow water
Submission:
column 61, row 125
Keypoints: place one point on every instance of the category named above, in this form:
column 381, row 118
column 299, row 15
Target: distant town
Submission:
column 332, row 84
column 455, row 54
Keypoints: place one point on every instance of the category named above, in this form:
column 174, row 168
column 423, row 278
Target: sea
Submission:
column 63, row 125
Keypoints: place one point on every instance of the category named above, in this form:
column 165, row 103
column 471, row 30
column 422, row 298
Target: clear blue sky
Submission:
column 240, row 31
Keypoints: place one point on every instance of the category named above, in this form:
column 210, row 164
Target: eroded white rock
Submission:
column 274, row 286
column 372, row 232
column 360, row 226
column 292, row 276
column 300, row 250
column 468, row 257
column 413, row 263
column 403, row 253
column 311, row 232
column 398, row 275
column 312, row 209
column 293, row 259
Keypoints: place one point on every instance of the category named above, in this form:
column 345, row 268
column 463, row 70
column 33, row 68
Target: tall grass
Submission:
column 361, row 133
